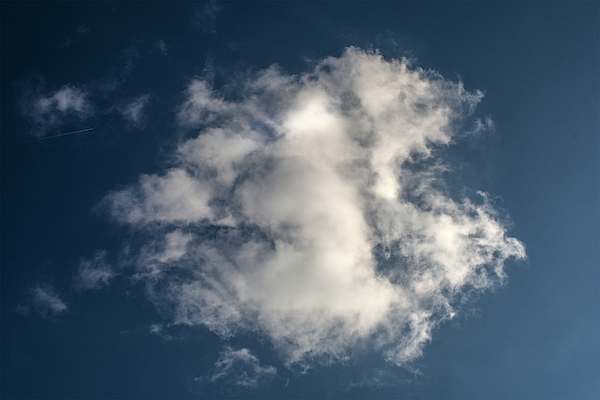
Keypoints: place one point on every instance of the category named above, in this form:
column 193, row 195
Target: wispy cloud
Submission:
column 94, row 273
column 241, row 368
column 82, row 32
column 162, row 47
column 159, row 330
column 44, row 299
column 314, row 210
column 49, row 110
column 133, row 111
column 205, row 17
column 46, row 110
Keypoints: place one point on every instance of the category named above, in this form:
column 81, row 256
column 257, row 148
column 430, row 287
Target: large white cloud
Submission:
column 312, row 209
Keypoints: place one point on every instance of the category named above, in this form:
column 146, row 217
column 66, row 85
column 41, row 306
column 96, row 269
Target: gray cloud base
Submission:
column 312, row 210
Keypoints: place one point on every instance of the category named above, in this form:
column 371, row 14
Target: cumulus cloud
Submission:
column 241, row 368
column 45, row 300
column 47, row 110
column 94, row 273
column 314, row 210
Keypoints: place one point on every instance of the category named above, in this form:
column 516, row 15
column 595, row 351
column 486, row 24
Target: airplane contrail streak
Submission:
column 55, row 136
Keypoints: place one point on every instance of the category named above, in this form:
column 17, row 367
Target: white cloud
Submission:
column 241, row 368
column 316, row 213
column 159, row 330
column 201, row 104
column 47, row 110
column 157, row 256
column 94, row 273
column 175, row 197
column 46, row 301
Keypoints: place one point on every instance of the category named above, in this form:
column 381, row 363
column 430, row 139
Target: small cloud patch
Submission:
column 94, row 274
column 43, row 299
column 240, row 368
column 46, row 110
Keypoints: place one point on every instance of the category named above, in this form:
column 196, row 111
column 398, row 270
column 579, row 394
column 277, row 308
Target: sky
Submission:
column 300, row 200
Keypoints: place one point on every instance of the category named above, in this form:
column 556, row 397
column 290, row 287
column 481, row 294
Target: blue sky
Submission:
column 300, row 200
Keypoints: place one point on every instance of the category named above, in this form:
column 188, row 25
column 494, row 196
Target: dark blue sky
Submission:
column 536, row 336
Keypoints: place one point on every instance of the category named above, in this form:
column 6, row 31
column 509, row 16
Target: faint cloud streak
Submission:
column 44, row 299
column 94, row 274
column 205, row 18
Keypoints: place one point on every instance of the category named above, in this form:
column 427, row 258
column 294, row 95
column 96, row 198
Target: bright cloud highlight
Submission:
column 312, row 210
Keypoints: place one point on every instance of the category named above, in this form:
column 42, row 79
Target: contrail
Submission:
column 55, row 136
